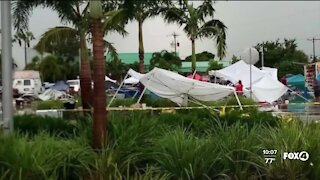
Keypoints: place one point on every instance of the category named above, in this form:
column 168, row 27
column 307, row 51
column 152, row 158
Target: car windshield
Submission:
column 73, row 82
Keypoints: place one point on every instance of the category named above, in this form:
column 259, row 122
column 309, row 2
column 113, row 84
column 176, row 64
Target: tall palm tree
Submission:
column 69, row 12
column 26, row 38
column 195, row 25
column 73, row 12
column 99, row 105
column 140, row 11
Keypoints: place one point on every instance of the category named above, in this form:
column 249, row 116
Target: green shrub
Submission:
column 294, row 137
column 184, row 156
column 50, row 104
column 44, row 157
column 251, row 118
column 122, row 102
column 32, row 124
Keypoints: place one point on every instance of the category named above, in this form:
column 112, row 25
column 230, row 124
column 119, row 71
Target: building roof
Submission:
column 130, row 58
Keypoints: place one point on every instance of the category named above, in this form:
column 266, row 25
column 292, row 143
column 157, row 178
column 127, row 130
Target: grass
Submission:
column 180, row 145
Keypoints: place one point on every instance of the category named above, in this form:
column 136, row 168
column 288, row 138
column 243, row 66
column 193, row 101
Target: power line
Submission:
column 314, row 49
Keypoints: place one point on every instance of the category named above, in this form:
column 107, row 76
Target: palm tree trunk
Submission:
column 193, row 56
column 25, row 55
column 99, row 104
column 85, row 76
column 141, row 49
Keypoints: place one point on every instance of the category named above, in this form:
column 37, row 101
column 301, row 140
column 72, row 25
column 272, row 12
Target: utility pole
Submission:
column 7, row 106
column 174, row 35
column 314, row 48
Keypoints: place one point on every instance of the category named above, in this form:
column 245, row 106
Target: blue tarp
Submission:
column 60, row 86
column 297, row 81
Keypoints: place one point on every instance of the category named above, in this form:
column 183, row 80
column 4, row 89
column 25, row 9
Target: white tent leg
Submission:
column 125, row 77
column 143, row 91
column 239, row 103
column 194, row 73
column 299, row 95
column 141, row 95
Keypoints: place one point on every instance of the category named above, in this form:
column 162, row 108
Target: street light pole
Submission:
column 7, row 106
column 250, row 58
column 262, row 57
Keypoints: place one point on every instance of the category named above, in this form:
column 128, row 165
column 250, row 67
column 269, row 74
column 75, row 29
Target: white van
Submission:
column 75, row 84
column 27, row 82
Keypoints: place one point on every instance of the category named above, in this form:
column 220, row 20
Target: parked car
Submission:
column 75, row 84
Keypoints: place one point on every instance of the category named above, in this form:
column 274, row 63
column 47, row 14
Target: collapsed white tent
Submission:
column 131, row 80
column 177, row 88
column 134, row 79
column 106, row 78
column 265, row 84
column 239, row 71
column 267, row 89
column 273, row 72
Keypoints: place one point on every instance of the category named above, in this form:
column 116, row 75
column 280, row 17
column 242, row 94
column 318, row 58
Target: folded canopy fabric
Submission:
column 239, row 71
column 131, row 80
column 135, row 74
column 106, row 78
column 267, row 89
column 176, row 87
column 273, row 72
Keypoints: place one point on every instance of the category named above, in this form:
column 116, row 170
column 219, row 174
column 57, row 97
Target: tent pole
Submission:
column 125, row 77
column 194, row 73
column 215, row 77
column 238, row 100
column 143, row 91
column 141, row 95
column 298, row 94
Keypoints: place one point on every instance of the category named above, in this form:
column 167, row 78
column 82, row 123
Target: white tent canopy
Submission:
column 273, row 72
column 265, row 84
column 267, row 89
column 239, row 71
column 131, row 80
column 106, row 78
column 135, row 74
column 176, row 87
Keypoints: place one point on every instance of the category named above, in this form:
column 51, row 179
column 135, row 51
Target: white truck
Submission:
column 27, row 82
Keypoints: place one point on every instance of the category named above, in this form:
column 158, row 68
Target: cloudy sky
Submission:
column 248, row 23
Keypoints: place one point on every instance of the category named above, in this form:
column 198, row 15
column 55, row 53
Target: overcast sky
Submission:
column 248, row 23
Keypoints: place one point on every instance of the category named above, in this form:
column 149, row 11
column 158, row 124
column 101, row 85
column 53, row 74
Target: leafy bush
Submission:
column 32, row 124
column 44, row 157
column 186, row 144
column 50, row 104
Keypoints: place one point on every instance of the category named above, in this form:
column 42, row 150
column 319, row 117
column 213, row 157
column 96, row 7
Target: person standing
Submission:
column 239, row 87
column 316, row 90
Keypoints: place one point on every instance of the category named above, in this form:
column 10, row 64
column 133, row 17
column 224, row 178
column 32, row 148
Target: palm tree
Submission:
column 196, row 26
column 99, row 105
column 26, row 38
column 73, row 12
column 165, row 60
column 140, row 11
column 69, row 12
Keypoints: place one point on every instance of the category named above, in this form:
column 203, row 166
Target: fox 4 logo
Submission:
column 302, row 156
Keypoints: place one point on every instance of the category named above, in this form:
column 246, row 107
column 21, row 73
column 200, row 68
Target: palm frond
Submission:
column 174, row 15
column 114, row 21
column 22, row 11
column 55, row 35
column 217, row 29
column 206, row 9
column 112, row 50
